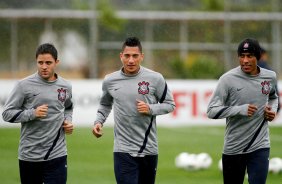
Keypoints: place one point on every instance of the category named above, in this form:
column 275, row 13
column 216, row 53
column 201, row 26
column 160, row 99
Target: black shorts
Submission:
column 48, row 172
column 254, row 163
column 135, row 170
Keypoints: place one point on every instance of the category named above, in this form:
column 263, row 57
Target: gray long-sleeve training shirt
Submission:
column 230, row 100
column 41, row 138
column 135, row 133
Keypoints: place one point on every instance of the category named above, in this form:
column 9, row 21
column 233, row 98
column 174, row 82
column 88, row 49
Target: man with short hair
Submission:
column 137, row 95
column 42, row 103
column 247, row 98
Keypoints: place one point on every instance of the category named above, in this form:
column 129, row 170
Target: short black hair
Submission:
column 47, row 48
column 132, row 42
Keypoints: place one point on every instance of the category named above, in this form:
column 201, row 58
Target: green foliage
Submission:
column 5, row 44
column 107, row 13
column 80, row 4
column 199, row 67
column 108, row 16
column 179, row 68
column 206, row 31
column 213, row 5
column 112, row 28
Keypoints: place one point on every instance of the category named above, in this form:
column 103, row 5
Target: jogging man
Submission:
column 247, row 98
column 42, row 103
column 137, row 95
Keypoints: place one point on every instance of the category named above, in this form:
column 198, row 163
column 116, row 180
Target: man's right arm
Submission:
column 105, row 105
column 13, row 110
column 217, row 108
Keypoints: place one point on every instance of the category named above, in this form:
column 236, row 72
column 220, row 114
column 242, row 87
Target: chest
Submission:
column 133, row 89
column 46, row 94
column 251, row 91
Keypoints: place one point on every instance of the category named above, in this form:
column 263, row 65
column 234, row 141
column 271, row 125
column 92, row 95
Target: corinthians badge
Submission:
column 265, row 87
column 143, row 87
column 62, row 93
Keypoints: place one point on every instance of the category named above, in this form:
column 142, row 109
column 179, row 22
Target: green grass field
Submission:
column 90, row 159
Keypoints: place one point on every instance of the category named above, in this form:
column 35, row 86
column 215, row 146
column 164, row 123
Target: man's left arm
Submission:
column 165, row 98
column 273, row 97
column 68, row 125
column 69, row 107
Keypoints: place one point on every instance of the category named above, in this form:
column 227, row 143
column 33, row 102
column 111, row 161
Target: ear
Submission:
column 142, row 55
column 120, row 56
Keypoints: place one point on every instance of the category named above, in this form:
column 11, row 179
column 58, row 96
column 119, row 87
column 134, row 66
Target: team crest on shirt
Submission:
column 265, row 87
column 62, row 93
column 143, row 87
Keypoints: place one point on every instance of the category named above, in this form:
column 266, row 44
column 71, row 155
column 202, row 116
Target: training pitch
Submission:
column 90, row 160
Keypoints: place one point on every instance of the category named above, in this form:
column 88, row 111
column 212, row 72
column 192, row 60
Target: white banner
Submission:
column 191, row 98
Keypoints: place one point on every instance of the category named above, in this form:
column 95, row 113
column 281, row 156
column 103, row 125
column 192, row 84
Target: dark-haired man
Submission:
column 42, row 103
column 137, row 95
column 247, row 98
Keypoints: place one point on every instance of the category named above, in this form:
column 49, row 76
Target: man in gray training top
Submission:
column 42, row 103
column 247, row 98
column 137, row 95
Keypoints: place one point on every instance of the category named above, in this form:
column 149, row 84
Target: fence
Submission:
column 222, row 37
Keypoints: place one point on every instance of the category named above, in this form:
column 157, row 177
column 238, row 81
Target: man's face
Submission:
column 46, row 65
column 131, row 58
column 248, row 63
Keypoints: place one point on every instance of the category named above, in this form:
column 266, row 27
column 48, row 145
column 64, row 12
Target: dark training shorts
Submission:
column 47, row 172
column 135, row 170
column 255, row 163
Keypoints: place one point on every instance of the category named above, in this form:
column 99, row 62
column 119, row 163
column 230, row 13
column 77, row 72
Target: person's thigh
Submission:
column 234, row 167
column 55, row 171
column 126, row 168
column 257, row 166
column 148, row 169
column 31, row 172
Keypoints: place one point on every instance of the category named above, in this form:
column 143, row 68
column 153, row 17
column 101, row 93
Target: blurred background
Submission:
column 191, row 42
column 182, row 39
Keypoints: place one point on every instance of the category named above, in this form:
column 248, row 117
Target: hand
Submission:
column 268, row 114
column 41, row 111
column 142, row 107
column 252, row 109
column 68, row 127
column 97, row 130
